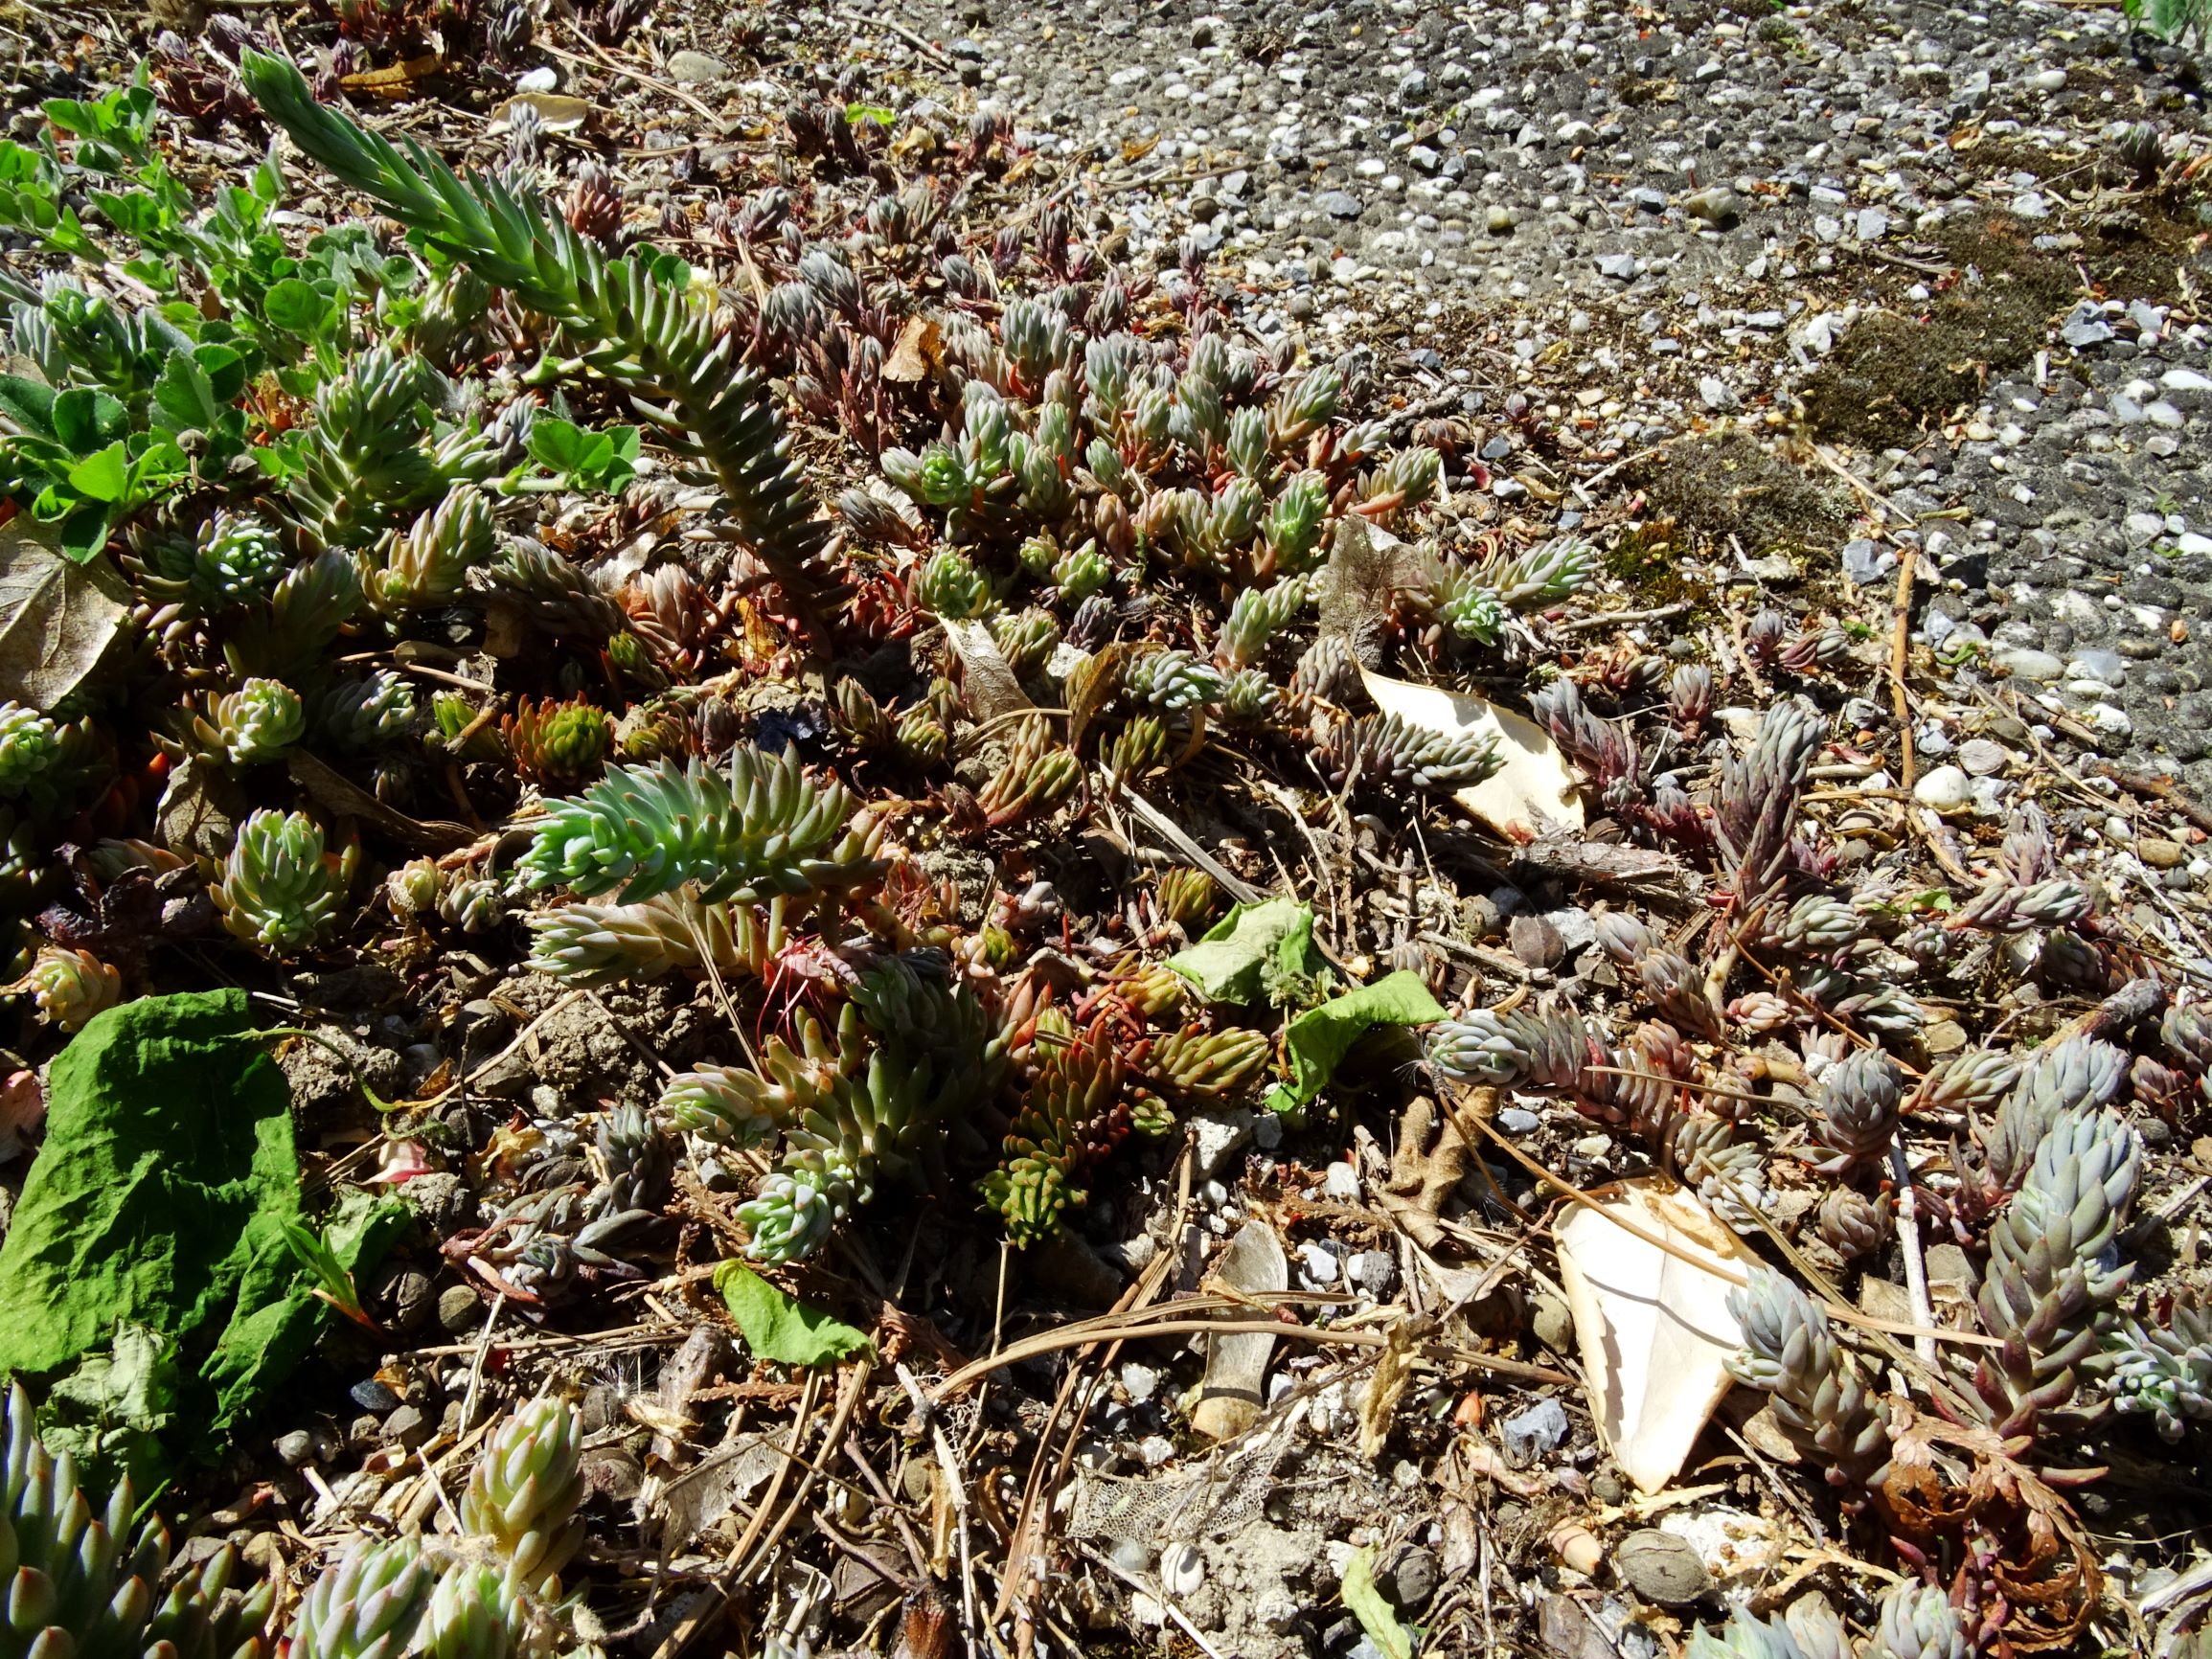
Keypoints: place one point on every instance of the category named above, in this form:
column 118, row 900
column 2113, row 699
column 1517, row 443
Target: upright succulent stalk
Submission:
column 1818, row 1397
column 1746, row 1636
column 1860, row 1097
column 1918, row 1622
column 2054, row 1267
column 523, row 1494
column 80, row 1579
column 1074, row 1114
column 1758, row 802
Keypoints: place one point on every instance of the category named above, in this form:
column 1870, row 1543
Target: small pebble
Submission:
column 1182, row 1570
column 370, row 1394
column 1946, row 789
column 1982, row 758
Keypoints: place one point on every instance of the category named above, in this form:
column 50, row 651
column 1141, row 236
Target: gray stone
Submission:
column 1871, row 225
column 1865, row 561
column 696, row 68
column 407, row 1427
column 1983, row 758
column 1412, row 1579
column 2025, row 664
column 1621, row 267
column 370, row 1394
column 460, row 1309
column 297, row 1449
column 1718, row 395
column 1338, row 204
column 1216, row 1135
column 1661, row 1567
column 1373, row 1270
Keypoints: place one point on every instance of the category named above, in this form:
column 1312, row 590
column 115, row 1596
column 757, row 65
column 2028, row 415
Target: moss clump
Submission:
column 1892, row 374
column 1725, row 485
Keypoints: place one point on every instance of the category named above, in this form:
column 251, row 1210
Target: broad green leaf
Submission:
column 159, row 1196
column 27, row 404
column 1391, row 1639
column 84, row 535
column 779, row 1328
column 135, row 213
column 103, row 476
column 184, row 395
column 85, row 420
column 109, row 1413
column 1232, row 963
column 226, row 369
column 559, row 445
column 1321, row 1037
column 296, row 307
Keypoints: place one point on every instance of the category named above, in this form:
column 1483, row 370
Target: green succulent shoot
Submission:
column 951, row 587
column 258, row 722
column 69, row 986
column 524, row 1490
column 30, row 748
column 279, row 888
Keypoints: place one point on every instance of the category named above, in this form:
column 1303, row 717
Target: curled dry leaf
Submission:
column 56, row 618
column 1655, row 1330
column 1237, row 1363
column 1532, row 793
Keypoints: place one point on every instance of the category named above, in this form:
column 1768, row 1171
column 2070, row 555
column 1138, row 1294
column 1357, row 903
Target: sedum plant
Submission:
column 559, row 744
column 1818, row 1397
column 2054, row 1269
column 84, row 1574
column 640, row 327
column 755, row 828
column 279, row 888
column 69, row 986
column 2164, row 1371
column 602, row 944
column 254, row 724
column 30, row 751
column 1074, row 1114
column 524, row 1492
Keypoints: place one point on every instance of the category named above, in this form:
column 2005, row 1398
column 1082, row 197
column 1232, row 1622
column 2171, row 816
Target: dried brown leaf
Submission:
column 56, row 618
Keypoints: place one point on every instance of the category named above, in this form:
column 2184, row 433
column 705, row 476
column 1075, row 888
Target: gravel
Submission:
column 1651, row 224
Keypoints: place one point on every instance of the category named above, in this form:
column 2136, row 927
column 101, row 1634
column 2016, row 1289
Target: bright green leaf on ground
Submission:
column 1321, row 1037
column 109, row 1413
column 778, row 1326
column 160, row 1197
column 1251, row 945
column 1367, row 1606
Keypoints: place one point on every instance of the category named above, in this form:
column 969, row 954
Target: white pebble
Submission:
column 1947, row 790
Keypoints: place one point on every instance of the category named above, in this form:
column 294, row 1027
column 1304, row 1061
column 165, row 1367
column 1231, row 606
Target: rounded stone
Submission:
column 460, row 1308
column 1983, row 758
column 1661, row 1567
column 1946, row 789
